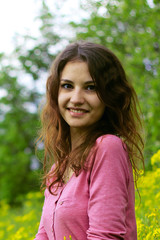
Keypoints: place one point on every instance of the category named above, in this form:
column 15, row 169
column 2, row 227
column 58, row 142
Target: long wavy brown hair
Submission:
column 121, row 116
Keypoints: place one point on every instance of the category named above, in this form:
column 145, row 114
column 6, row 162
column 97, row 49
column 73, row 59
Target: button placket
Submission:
column 55, row 206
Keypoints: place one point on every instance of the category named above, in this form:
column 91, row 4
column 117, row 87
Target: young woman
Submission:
column 91, row 132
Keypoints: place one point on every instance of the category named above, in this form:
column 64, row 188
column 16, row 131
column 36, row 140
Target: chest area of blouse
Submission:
column 71, row 196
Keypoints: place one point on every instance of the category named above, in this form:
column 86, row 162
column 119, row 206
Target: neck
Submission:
column 77, row 136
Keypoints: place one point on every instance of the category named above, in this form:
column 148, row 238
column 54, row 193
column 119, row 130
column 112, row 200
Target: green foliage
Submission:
column 19, row 120
column 17, row 133
column 37, row 59
column 131, row 30
column 22, row 223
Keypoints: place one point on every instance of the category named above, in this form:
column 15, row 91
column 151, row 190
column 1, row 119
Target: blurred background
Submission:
column 32, row 33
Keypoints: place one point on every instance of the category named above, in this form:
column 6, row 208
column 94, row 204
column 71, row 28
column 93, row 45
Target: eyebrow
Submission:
column 69, row 81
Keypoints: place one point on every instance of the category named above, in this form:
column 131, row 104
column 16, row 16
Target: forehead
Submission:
column 75, row 69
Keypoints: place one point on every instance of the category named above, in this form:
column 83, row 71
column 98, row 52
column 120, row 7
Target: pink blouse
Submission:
column 98, row 204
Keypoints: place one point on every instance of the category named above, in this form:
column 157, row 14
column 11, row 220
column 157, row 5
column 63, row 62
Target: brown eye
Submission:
column 91, row 87
column 66, row 85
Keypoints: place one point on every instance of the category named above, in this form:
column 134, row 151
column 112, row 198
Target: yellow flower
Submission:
column 1, row 234
column 151, row 215
column 10, row 227
column 155, row 159
column 156, row 232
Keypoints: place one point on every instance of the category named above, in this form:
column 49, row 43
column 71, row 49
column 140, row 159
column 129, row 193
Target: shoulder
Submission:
column 111, row 153
column 110, row 156
column 108, row 137
column 110, row 142
column 111, row 149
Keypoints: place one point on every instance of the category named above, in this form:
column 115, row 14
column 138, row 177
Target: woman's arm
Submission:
column 108, row 191
column 42, row 235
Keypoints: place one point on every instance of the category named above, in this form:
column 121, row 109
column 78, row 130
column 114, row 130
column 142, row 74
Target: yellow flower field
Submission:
column 22, row 223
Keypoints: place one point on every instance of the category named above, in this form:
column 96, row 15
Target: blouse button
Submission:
column 61, row 202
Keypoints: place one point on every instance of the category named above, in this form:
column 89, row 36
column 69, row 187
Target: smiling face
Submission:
column 78, row 101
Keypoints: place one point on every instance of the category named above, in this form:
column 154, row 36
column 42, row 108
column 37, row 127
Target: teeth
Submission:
column 77, row 111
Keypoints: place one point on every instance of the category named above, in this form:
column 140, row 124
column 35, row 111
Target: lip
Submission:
column 77, row 112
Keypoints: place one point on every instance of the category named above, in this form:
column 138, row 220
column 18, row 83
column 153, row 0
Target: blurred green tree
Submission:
column 21, row 78
column 17, row 132
column 131, row 30
column 37, row 58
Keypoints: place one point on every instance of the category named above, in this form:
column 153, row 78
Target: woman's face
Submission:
column 78, row 102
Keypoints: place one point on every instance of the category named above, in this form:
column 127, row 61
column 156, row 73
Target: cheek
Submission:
column 62, row 96
column 62, row 102
column 99, row 105
column 60, row 99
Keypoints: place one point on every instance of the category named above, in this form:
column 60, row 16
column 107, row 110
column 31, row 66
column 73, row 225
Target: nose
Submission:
column 77, row 97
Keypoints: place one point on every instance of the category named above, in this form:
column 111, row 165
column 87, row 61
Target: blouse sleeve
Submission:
column 108, row 191
column 41, row 235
